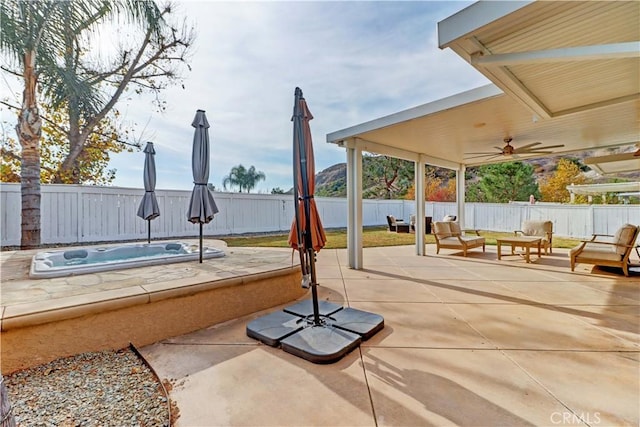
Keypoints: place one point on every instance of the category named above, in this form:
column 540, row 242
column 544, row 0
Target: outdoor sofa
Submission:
column 449, row 235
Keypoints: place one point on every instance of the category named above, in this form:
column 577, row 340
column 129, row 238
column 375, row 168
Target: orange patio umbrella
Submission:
column 304, row 180
column 325, row 332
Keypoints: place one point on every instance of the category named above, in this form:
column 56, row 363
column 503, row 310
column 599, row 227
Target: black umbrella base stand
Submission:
column 340, row 330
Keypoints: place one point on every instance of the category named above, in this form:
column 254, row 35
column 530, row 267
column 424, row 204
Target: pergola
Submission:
column 622, row 189
column 563, row 73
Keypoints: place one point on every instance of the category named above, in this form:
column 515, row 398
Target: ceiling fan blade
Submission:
column 482, row 155
column 497, row 156
column 524, row 150
column 488, row 153
column 546, row 147
column 525, row 147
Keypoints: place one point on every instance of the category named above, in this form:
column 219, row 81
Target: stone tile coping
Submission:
column 28, row 302
column 53, row 310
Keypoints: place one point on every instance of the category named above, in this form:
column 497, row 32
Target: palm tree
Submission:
column 252, row 178
column 235, row 177
column 34, row 35
column 243, row 178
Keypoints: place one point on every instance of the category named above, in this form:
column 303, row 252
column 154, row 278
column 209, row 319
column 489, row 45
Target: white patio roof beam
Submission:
column 568, row 54
column 377, row 148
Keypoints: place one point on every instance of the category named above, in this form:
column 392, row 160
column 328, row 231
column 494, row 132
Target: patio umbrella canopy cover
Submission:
column 202, row 207
column 304, row 179
column 148, row 208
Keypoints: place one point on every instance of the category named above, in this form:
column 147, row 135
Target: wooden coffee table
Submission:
column 522, row 241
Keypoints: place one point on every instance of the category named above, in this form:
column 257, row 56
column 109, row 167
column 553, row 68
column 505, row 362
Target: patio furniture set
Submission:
column 601, row 249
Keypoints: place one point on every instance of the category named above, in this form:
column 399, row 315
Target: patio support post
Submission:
column 420, row 208
column 354, row 205
column 460, row 194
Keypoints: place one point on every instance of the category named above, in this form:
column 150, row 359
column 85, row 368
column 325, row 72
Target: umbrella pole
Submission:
column 299, row 155
column 314, row 291
column 308, row 241
column 148, row 231
column 200, row 243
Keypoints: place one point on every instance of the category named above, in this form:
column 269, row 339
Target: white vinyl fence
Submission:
column 85, row 214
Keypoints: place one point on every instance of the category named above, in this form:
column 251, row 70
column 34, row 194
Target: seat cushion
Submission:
column 596, row 252
column 442, row 229
column 473, row 240
column 623, row 236
column 537, row 228
column 450, row 241
column 455, row 228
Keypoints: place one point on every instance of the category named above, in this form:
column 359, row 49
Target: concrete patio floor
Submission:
column 467, row 341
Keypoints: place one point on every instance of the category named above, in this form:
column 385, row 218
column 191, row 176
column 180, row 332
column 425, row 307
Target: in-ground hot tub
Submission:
column 91, row 260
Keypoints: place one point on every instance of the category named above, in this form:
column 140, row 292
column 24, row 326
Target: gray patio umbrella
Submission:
column 148, row 208
column 202, row 207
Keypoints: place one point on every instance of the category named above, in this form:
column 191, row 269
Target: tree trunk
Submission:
column 29, row 130
column 6, row 417
column 69, row 173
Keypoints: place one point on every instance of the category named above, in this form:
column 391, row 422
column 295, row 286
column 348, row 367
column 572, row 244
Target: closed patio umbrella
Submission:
column 307, row 234
column 148, row 208
column 202, row 207
column 318, row 331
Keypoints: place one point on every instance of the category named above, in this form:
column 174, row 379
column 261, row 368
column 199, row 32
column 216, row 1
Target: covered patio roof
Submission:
column 556, row 58
column 563, row 73
column 478, row 120
column 615, row 163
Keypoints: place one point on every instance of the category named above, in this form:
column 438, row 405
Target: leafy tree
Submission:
column 504, row 182
column 277, row 190
column 47, row 41
column 54, row 148
column 10, row 161
column 385, row 176
column 92, row 161
column 148, row 64
column 554, row 188
column 436, row 188
column 243, row 178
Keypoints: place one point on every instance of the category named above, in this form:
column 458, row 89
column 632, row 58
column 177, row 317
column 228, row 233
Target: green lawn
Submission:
column 372, row 237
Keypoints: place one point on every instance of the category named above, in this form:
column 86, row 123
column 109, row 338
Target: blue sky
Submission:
column 354, row 61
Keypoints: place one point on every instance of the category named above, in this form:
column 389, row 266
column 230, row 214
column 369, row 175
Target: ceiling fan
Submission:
column 510, row 150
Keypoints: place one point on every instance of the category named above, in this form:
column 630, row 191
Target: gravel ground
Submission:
column 108, row 388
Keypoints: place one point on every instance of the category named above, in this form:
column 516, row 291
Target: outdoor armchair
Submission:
column 542, row 229
column 449, row 235
column 397, row 225
column 607, row 250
